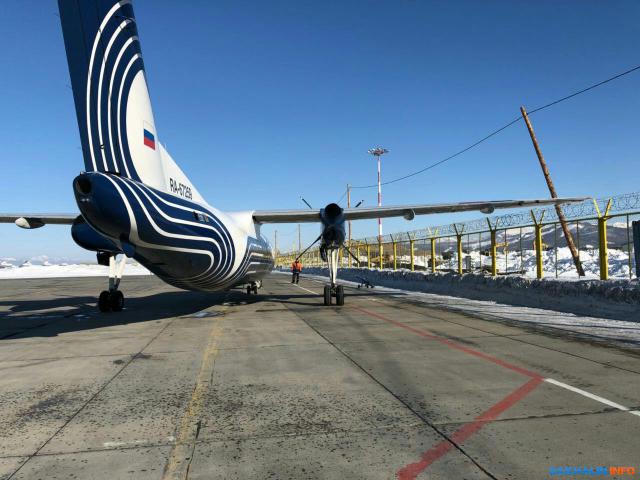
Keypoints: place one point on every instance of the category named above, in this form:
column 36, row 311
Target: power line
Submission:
column 504, row 127
column 615, row 77
column 345, row 194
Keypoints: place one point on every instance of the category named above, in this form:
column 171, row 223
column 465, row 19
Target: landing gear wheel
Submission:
column 254, row 289
column 104, row 305
column 116, row 300
column 327, row 295
column 340, row 295
column 249, row 290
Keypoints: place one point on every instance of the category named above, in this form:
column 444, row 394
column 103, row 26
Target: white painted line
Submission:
column 590, row 395
column 635, row 412
column 315, row 293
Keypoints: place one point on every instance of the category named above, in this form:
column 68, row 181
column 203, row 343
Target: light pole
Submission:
column 378, row 152
column 349, row 206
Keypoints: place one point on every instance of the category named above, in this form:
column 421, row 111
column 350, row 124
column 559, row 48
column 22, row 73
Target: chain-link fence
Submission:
column 528, row 243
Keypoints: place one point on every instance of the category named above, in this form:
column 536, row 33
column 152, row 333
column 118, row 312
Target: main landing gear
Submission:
column 253, row 287
column 112, row 300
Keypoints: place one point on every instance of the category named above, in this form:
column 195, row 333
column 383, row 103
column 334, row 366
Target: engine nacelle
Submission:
column 333, row 231
column 89, row 239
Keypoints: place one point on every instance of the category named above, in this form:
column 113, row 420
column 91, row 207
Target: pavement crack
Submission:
column 84, row 405
column 431, row 425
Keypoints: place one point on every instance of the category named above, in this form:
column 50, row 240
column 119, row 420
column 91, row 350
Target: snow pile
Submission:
column 611, row 299
column 525, row 262
column 43, row 267
column 625, row 333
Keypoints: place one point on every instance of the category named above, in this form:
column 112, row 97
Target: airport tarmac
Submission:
column 230, row 386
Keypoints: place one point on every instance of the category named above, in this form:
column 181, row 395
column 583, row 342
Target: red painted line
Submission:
column 412, row 470
column 452, row 344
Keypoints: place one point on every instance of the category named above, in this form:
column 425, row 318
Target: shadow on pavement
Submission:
column 73, row 314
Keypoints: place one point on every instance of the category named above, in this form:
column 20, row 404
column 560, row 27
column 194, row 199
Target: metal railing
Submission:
column 526, row 243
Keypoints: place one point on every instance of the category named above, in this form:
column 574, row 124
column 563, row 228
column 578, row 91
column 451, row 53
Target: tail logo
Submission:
column 149, row 139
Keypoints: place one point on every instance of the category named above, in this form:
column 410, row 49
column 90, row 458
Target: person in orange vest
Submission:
column 296, row 268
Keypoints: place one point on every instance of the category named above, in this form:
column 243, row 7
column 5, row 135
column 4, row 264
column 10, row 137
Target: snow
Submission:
column 513, row 261
column 46, row 268
column 619, row 238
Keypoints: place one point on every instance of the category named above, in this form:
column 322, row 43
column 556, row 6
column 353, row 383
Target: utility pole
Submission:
column 349, row 206
column 552, row 190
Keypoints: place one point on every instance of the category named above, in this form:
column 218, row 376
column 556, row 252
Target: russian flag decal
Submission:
column 149, row 139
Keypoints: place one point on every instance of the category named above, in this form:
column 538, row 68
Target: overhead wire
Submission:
column 502, row 128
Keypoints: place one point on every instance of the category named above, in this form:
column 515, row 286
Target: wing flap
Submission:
column 409, row 211
column 286, row 216
column 406, row 211
column 36, row 220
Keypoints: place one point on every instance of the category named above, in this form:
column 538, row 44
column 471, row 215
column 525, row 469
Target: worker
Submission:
column 296, row 268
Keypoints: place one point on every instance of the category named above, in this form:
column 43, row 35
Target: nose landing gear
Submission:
column 336, row 291
column 332, row 290
column 112, row 300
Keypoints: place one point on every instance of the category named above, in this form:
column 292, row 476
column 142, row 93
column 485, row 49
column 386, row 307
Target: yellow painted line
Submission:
column 179, row 461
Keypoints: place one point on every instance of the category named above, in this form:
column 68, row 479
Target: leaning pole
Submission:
column 552, row 190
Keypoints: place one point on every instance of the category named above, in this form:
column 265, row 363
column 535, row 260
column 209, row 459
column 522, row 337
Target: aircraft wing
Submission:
column 36, row 220
column 406, row 211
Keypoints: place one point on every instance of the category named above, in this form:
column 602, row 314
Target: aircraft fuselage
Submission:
column 187, row 244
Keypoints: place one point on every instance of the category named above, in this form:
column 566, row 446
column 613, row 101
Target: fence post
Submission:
column 433, row 239
column 433, row 254
column 538, row 229
column 636, row 244
column 602, row 239
column 395, row 253
column 368, row 255
column 494, row 247
column 379, row 253
column 358, row 253
column 411, row 252
column 459, row 240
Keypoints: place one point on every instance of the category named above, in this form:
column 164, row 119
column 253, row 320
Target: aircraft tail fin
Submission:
column 116, row 123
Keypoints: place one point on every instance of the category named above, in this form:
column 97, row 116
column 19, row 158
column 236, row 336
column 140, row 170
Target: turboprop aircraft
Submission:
column 134, row 200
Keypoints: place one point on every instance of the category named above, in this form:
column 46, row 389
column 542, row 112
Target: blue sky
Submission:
column 261, row 102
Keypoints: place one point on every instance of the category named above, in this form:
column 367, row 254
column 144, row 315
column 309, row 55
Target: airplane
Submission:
column 136, row 202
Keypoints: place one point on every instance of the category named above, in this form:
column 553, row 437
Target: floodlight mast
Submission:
column 378, row 152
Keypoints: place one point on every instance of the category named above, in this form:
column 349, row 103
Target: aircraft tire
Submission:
column 327, row 295
column 104, row 305
column 249, row 290
column 340, row 295
column 116, row 301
